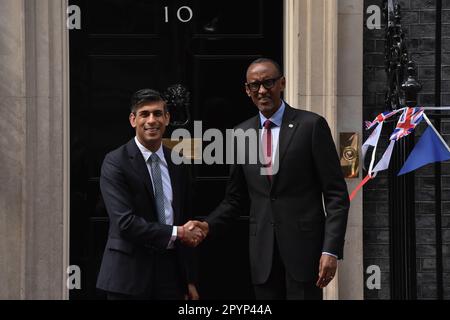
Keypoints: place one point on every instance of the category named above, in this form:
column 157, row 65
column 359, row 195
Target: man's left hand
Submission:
column 327, row 270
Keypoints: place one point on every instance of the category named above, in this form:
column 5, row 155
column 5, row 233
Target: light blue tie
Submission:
column 158, row 187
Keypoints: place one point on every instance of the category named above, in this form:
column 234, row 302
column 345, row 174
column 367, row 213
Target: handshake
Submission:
column 192, row 233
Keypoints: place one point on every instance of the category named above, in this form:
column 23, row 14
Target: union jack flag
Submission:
column 380, row 118
column 409, row 119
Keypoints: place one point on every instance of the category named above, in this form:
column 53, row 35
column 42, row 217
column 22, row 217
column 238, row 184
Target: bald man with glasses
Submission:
column 298, row 213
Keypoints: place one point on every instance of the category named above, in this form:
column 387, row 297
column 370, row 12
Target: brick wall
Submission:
column 445, row 131
column 419, row 23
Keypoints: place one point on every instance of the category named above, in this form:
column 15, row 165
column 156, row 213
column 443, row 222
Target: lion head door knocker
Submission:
column 178, row 102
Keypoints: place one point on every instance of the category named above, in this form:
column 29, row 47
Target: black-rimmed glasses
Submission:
column 268, row 84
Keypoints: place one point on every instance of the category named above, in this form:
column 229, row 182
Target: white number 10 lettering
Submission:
column 190, row 14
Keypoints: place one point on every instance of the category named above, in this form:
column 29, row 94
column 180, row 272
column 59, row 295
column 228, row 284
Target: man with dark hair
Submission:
column 148, row 200
column 294, row 245
column 146, row 95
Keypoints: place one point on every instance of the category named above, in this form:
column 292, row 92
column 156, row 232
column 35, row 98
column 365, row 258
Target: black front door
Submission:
column 126, row 45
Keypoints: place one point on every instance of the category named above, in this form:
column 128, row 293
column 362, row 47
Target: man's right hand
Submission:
column 193, row 232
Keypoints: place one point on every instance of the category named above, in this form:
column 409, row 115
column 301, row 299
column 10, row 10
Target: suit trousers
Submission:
column 166, row 283
column 281, row 286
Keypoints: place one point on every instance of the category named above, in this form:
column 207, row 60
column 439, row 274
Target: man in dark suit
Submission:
column 294, row 244
column 148, row 200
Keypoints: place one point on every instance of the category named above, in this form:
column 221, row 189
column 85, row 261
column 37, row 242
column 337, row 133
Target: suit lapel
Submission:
column 288, row 127
column 138, row 163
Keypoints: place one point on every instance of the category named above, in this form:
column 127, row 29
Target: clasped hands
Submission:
column 193, row 232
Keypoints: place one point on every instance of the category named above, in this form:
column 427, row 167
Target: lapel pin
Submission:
column 291, row 125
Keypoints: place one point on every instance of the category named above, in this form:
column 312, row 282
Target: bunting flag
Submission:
column 409, row 119
column 371, row 141
column 381, row 118
column 430, row 148
column 383, row 164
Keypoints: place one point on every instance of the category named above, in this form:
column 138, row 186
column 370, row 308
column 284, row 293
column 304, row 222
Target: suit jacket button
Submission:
column 273, row 199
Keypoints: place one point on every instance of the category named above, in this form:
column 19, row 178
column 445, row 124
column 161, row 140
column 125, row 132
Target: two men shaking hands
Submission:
column 298, row 213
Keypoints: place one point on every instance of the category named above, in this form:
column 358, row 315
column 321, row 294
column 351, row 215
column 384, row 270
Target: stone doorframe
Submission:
column 34, row 200
column 323, row 58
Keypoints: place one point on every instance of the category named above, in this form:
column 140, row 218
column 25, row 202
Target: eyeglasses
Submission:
column 268, row 84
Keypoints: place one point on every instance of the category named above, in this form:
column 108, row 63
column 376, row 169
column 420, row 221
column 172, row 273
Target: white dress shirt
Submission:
column 167, row 185
column 276, row 120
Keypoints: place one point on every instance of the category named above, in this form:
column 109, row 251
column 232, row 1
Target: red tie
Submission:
column 267, row 141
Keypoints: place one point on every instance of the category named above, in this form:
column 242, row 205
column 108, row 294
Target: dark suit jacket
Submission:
column 135, row 237
column 290, row 208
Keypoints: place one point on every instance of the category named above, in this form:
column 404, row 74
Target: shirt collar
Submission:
column 276, row 118
column 147, row 153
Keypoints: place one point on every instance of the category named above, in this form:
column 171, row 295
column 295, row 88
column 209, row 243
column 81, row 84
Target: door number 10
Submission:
column 190, row 14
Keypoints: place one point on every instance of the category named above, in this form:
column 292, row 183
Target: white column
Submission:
column 323, row 61
column 311, row 66
column 12, row 146
column 46, row 173
column 350, row 119
column 311, row 56
column 34, row 124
